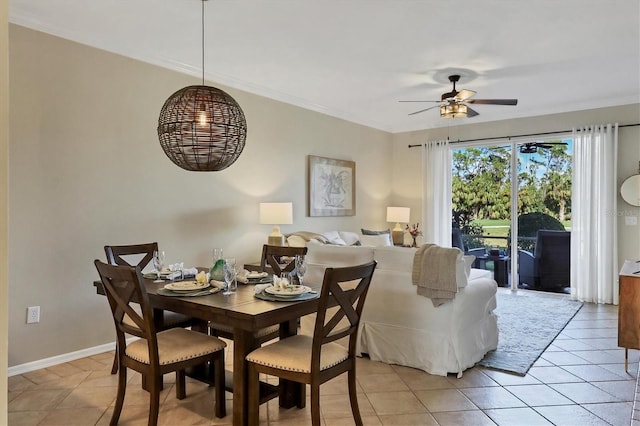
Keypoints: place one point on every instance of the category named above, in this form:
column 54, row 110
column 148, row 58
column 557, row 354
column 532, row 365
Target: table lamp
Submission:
column 276, row 214
column 398, row 214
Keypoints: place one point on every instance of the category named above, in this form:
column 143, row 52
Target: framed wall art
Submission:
column 331, row 187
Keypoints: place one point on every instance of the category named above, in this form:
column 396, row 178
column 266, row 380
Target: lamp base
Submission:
column 398, row 237
column 274, row 240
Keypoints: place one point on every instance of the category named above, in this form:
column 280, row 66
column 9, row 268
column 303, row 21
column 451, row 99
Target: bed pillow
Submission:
column 379, row 240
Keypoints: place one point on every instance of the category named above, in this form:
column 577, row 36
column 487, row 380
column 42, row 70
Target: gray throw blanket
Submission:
column 434, row 272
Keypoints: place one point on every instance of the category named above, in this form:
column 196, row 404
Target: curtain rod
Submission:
column 519, row 136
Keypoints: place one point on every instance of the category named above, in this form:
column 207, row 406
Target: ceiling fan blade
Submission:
column 471, row 112
column 493, row 101
column 464, row 94
column 421, row 101
column 423, row 110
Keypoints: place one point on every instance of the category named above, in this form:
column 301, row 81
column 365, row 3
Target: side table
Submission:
column 500, row 267
column 629, row 310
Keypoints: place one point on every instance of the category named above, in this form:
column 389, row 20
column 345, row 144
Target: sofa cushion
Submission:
column 351, row 238
column 330, row 255
column 376, row 240
column 296, row 241
column 400, row 259
column 333, row 237
column 370, row 232
column 475, row 274
column 395, row 258
column 463, row 270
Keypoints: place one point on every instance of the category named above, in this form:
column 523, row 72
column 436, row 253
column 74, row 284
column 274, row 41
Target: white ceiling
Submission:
column 355, row 59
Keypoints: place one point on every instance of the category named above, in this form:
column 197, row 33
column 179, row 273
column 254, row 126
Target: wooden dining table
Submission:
column 246, row 314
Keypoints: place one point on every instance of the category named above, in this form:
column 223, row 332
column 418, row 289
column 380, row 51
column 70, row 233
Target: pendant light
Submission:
column 202, row 128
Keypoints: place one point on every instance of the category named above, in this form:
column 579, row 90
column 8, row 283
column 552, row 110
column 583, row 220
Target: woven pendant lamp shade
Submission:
column 202, row 128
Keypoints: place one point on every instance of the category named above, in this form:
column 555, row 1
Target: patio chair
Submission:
column 458, row 241
column 548, row 268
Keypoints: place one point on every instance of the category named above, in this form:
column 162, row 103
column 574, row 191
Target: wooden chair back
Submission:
column 273, row 255
column 124, row 287
column 347, row 289
column 116, row 254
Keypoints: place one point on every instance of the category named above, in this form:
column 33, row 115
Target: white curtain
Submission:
column 594, row 246
column 436, row 193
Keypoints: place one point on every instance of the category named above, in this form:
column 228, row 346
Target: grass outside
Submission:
column 500, row 230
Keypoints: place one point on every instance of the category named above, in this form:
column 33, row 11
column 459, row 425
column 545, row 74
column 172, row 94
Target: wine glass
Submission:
column 301, row 267
column 229, row 276
column 158, row 263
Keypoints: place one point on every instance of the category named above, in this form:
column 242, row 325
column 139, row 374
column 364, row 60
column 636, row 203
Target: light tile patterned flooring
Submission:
column 579, row 380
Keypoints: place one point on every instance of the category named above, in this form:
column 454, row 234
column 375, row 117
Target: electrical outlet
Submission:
column 33, row 314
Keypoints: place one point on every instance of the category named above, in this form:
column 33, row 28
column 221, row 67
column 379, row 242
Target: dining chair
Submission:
column 140, row 255
column 155, row 353
column 280, row 259
column 316, row 359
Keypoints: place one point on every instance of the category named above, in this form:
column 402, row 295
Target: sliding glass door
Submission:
column 502, row 195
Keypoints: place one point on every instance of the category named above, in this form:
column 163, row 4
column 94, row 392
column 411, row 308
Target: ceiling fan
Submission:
column 454, row 104
column 532, row 147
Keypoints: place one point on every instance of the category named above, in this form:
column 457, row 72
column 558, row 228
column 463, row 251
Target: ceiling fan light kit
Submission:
column 202, row 128
column 454, row 110
column 453, row 104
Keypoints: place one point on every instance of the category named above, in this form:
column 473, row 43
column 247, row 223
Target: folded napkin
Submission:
column 259, row 288
column 166, row 275
column 190, row 272
column 244, row 276
column 217, row 284
column 172, row 275
column 279, row 282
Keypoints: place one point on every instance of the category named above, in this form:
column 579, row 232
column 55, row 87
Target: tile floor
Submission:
column 579, row 380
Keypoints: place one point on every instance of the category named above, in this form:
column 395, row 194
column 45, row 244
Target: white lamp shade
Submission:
column 276, row 213
column 398, row 214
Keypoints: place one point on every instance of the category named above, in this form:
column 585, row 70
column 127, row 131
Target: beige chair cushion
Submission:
column 260, row 333
column 294, row 354
column 176, row 344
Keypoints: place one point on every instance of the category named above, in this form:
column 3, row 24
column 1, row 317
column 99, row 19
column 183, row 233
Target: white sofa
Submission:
column 399, row 326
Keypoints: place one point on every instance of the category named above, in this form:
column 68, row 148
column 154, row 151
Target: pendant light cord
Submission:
column 203, row 41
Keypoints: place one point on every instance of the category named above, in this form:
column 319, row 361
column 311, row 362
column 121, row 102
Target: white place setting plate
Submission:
column 186, row 286
column 290, row 291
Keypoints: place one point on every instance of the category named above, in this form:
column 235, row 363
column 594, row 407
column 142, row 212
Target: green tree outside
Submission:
column 481, row 187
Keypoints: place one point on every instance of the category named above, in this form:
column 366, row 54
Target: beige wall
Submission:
column 87, row 170
column 4, row 163
column 407, row 162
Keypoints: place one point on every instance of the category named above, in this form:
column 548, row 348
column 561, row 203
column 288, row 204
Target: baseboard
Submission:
column 61, row 359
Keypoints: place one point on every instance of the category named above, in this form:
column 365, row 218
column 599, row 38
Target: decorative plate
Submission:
column 186, row 286
column 291, row 291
